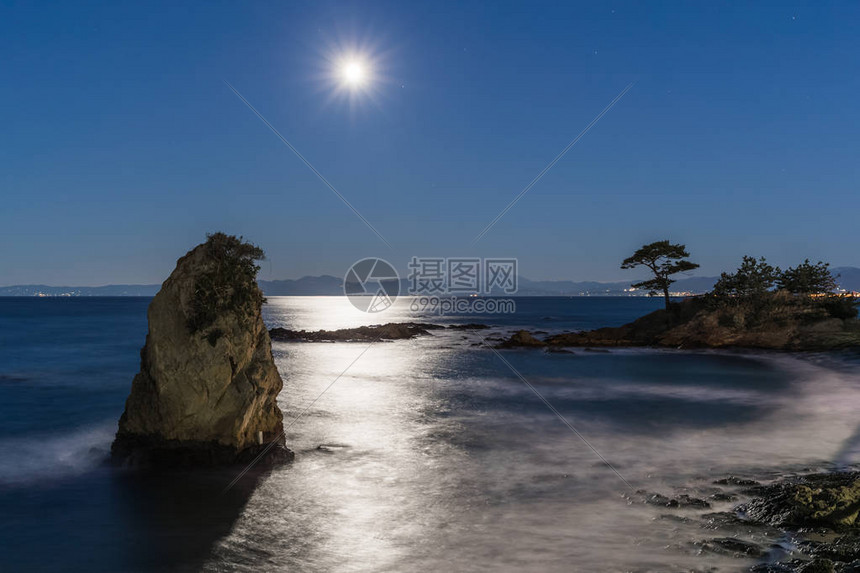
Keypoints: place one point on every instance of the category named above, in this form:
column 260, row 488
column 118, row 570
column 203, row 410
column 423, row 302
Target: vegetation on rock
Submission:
column 758, row 294
column 807, row 278
column 754, row 278
column 229, row 283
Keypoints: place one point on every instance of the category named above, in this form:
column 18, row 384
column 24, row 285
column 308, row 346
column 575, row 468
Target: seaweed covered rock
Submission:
column 829, row 500
column 207, row 389
column 822, row 512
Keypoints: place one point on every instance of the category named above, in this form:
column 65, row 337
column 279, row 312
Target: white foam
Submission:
column 53, row 456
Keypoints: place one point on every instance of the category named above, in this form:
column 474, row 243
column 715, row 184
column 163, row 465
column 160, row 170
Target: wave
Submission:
column 53, row 456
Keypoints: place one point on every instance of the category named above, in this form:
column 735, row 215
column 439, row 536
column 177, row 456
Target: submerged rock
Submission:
column 721, row 496
column 521, row 338
column 735, row 480
column 207, row 389
column 468, row 326
column 681, row 501
column 795, row 566
column 733, row 546
column 845, row 548
column 558, row 350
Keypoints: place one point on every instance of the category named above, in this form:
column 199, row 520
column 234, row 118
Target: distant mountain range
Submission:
column 327, row 285
column 107, row 290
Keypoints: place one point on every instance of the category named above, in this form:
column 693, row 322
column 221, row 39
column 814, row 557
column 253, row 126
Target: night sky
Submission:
column 122, row 144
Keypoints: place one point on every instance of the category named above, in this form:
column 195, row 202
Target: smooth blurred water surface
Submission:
column 427, row 453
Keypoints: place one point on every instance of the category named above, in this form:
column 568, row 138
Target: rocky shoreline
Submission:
column 691, row 324
column 810, row 522
column 695, row 324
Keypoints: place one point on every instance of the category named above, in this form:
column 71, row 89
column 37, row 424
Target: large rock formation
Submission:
column 207, row 387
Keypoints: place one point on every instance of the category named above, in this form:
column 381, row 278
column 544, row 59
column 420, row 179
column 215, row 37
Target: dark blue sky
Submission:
column 122, row 146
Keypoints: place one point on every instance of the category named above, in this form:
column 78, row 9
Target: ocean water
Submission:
column 423, row 454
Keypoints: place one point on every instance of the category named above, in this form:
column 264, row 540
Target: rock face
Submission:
column 208, row 384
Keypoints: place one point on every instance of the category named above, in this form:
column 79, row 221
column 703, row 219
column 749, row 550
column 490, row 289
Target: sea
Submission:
column 435, row 453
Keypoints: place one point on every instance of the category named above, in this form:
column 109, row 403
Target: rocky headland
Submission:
column 207, row 389
column 779, row 322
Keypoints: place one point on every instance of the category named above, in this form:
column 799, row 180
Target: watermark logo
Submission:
column 372, row 285
column 437, row 285
column 453, row 276
column 452, row 305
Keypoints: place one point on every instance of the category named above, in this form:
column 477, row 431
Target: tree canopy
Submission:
column 807, row 278
column 229, row 283
column 753, row 278
column 663, row 259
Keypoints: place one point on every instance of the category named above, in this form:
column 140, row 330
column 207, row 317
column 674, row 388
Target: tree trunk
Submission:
column 666, row 295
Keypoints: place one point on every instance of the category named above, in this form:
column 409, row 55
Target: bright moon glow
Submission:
column 353, row 73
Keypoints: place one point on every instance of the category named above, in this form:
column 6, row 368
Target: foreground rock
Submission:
column 207, row 387
column 802, row 524
column 824, row 505
column 818, row 500
column 782, row 322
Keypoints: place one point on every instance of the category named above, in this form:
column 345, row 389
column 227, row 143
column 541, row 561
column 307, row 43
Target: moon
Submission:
column 354, row 73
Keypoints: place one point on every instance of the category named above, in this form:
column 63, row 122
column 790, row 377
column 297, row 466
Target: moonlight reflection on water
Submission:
column 430, row 453
column 427, row 453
